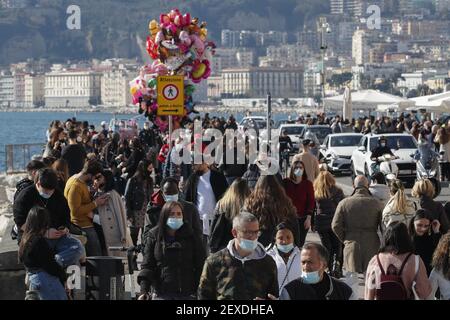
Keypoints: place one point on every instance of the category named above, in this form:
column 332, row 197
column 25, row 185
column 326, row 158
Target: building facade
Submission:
column 72, row 89
column 6, row 90
column 115, row 87
column 34, row 91
column 19, row 90
column 257, row 82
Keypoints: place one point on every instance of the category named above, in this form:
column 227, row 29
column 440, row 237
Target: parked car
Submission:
column 337, row 151
column 320, row 131
column 402, row 146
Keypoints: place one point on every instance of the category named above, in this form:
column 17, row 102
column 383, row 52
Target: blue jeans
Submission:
column 48, row 286
column 68, row 250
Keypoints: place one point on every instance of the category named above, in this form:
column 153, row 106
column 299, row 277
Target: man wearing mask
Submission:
column 44, row 194
column 204, row 188
column 379, row 151
column 314, row 283
column 355, row 223
column 81, row 206
column 242, row 270
column 169, row 192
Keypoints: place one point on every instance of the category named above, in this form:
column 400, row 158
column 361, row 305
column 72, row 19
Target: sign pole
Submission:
column 269, row 121
column 170, row 135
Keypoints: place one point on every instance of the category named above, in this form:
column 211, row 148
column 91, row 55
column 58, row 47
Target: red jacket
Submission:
column 302, row 196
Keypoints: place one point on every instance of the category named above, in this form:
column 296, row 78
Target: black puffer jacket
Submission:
column 21, row 185
column 437, row 210
column 325, row 209
column 136, row 192
column 172, row 268
column 218, row 183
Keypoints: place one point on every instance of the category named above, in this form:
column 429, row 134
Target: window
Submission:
column 345, row 141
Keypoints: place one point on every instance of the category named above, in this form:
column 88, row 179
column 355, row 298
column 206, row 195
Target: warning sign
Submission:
column 170, row 96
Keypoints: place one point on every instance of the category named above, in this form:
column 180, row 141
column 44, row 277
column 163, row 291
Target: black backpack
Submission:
column 391, row 283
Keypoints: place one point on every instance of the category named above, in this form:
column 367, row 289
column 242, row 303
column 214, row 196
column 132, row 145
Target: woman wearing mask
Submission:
column 137, row 195
column 46, row 276
column 424, row 190
column 226, row 209
column 440, row 275
column 112, row 216
column 286, row 255
column 173, row 258
column 397, row 252
column 270, row 204
column 425, row 235
column 328, row 196
column 399, row 207
column 301, row 192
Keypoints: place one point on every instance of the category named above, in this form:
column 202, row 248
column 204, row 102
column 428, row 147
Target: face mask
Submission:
column 171, row 197
column 45, row 195
column 285, row 247
column 383, row 144
column 248, row 245
column 298, row 172
column 174, row 223
column 310, row 277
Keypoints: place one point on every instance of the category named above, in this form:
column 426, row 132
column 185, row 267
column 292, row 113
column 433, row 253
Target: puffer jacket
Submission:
column 175, row 267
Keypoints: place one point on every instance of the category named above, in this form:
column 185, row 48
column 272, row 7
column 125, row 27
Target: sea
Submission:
column 30, row 127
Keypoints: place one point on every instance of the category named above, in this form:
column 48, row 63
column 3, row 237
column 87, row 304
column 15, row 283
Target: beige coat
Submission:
column 355, row 223
column 311, row 164
column 114, row 224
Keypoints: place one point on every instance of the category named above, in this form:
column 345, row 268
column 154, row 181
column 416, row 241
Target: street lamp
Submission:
column 324, row 28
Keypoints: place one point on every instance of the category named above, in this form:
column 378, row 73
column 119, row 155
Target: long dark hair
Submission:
column 164, row 216
column 396, row 239
column 420, row 214
column 37, row 221
column 109, row 180
column 141, row 171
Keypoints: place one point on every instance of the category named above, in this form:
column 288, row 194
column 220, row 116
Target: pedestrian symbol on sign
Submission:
column 170, row 92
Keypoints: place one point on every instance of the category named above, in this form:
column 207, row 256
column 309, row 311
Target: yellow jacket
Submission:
column 80, row 203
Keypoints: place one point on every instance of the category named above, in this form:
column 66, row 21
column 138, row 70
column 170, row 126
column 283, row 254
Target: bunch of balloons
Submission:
column 178, row 45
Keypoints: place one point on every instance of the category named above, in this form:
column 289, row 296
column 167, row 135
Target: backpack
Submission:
column 391, row 283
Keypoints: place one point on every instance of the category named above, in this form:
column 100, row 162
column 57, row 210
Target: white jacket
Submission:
column 390, row 215
column 286, row 272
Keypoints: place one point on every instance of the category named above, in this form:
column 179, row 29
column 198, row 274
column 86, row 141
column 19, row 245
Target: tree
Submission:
column 337, row 80
column 412, row 94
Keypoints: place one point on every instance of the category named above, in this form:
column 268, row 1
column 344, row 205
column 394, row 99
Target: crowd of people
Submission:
column 227, row 230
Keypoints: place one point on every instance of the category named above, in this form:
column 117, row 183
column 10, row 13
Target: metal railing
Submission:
column 17, row 156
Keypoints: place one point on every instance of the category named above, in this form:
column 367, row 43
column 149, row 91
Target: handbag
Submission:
column 78, row 233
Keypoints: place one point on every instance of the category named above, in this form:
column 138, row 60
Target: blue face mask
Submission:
column 310, row 277
column 248, row 245
column 171, row 197
column 298, row 172
column 285, row 247
column 174, row 223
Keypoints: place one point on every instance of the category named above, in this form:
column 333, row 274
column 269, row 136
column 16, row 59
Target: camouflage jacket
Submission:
column 227, row 277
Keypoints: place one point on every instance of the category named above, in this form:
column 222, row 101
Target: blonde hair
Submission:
column 400, row 202
column 423, row 187
column 233, row 200
column 323, row 184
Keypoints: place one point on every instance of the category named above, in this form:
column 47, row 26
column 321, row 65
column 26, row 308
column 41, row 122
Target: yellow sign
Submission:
column 170, row 96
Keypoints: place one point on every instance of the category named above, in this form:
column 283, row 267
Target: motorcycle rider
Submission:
column 379, row 151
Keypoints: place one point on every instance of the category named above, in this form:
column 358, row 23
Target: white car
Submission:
column 402, row 145
column 337, row 150
column 294, row 131
column 260, row 122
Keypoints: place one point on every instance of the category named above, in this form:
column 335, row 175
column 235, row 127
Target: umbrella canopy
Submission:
column 347, row 112
column 433, row 103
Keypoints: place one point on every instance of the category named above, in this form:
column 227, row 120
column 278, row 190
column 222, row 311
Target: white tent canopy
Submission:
column 433, row 103
column 368, row 100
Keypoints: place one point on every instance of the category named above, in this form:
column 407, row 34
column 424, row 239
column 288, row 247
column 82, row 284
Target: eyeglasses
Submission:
column 251, row 234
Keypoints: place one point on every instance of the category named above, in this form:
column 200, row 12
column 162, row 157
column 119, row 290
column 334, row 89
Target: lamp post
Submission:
column 324, row 27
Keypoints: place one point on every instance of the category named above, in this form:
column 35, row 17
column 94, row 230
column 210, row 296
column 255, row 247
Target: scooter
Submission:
column 430, row 171
column 388, row 167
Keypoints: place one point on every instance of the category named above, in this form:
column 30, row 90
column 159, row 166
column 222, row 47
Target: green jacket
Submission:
column 226, row 276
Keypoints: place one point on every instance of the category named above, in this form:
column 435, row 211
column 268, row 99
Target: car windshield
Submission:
column 395, row 142
column 321, row 133
column 345, row 141
column 293, row 130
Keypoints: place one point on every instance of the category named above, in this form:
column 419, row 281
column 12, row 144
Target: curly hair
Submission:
column 269, row 202
column 441, row 256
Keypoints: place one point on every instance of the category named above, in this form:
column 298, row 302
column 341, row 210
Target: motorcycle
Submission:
column 388, row 167
column 431, row 170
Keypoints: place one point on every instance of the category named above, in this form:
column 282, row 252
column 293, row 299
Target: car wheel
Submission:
column 353, row 172
column 366, row 172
